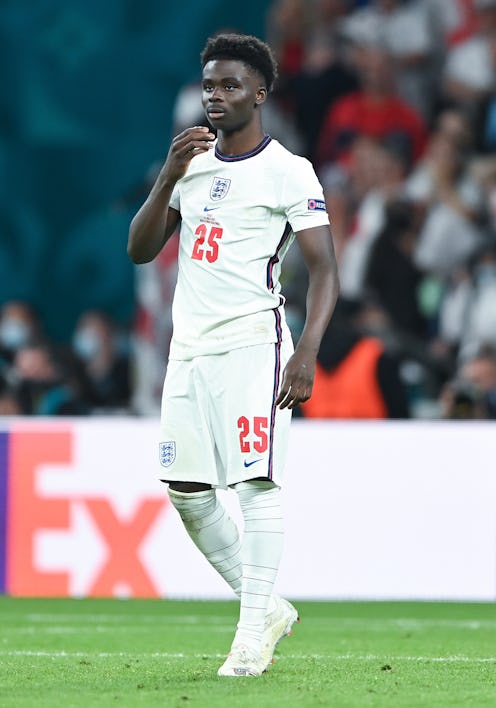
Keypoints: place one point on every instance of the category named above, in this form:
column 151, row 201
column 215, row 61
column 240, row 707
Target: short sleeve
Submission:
column 174, row 201
column 303, row 197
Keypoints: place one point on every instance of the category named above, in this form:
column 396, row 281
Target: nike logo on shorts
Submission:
column 249, row 464
column 210, row 208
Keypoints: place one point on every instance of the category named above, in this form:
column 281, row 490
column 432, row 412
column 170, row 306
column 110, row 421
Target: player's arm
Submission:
column 318, row 253
column 155, row 222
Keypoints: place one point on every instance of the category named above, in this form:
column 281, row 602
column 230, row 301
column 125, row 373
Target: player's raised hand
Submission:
column 297, row 380
column 184, row 147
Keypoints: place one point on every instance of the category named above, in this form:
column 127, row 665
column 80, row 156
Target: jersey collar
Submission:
column 244, row 155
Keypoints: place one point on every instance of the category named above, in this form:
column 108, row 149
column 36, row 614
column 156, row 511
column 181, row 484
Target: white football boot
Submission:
column 242, row 661
column 278, row 625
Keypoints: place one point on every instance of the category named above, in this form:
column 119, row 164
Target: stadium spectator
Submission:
column 374, row 111
column 472, row 393
column 19, row 326
column 357, row 377
column 106, row 366
column 391, row 276
column 44, row 384
column 324, row 73
column 452, row 201
column 358, row 198
column 323, row 78
column 404, row 28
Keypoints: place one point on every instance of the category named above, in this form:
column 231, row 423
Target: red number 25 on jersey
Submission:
column 210, row 249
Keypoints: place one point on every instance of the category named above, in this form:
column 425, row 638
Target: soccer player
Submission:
column 233, row 376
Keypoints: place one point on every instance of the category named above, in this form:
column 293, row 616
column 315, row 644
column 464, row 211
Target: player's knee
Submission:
column 195, row 505
column 257, row 494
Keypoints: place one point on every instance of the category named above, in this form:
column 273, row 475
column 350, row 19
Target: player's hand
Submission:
column 191, row 142
column 297, row 380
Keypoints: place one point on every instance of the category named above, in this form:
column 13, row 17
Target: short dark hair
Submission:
column 250, row 50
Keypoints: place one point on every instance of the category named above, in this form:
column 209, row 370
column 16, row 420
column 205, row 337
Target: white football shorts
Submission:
column 219, row 421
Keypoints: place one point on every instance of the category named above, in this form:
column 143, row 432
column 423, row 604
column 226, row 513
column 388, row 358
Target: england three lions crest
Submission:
column 220, row 187
column 167, row 452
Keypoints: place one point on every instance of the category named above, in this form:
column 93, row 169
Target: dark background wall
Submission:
column 85, row 108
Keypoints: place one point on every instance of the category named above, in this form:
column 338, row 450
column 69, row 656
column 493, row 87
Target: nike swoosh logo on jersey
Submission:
column 249, row 464
column 210, row 208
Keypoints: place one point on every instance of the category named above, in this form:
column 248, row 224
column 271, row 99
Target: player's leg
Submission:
column 259, row 629
column 261, row 552
column 211, row 529
column 187, row 453
column 260, row 444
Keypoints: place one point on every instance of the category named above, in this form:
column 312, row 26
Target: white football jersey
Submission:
column 238, row 219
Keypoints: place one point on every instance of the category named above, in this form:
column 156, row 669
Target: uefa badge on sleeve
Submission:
column 167, row 451
column 316, row 205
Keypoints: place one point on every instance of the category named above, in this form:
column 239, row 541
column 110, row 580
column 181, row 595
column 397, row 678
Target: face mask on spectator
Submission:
column 86, row 344
column 14, row 333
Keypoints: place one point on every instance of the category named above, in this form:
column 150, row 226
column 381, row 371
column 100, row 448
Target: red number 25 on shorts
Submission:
column 260, row 425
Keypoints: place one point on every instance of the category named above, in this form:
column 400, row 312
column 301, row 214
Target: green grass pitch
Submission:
column 126, row 653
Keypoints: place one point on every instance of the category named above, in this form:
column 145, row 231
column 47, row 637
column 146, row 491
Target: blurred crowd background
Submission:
column 394, row 102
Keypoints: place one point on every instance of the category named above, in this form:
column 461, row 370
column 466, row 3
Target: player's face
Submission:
column 230, row 94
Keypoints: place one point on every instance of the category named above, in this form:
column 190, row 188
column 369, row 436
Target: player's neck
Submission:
column 240, row 141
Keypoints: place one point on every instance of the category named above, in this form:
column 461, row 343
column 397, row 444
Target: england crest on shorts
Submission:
column 167, row 451
column 220, row 187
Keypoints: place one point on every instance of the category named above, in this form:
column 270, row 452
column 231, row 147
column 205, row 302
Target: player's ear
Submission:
column 261, row 95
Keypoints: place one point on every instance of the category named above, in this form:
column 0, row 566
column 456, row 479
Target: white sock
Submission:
column 213, row 532
column 261, row 552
